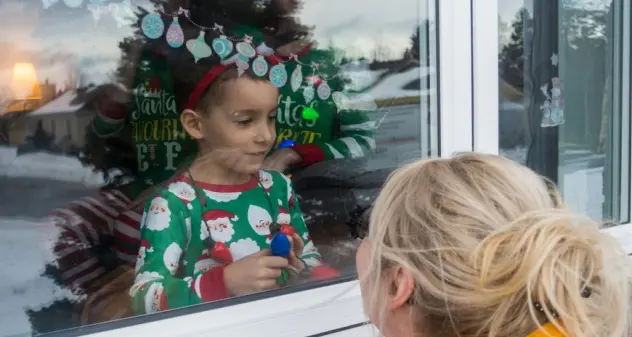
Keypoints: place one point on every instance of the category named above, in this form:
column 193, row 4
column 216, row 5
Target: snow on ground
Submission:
column 25, row 246
column 45, row 165
column 24, row 251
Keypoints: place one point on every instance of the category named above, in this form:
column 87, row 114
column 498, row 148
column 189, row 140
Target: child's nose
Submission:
column 265, row 134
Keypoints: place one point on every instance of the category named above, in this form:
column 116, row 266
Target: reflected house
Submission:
column 66, row 117
column 13, row 122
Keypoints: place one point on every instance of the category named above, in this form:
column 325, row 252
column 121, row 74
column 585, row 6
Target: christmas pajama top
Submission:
column 175, row 267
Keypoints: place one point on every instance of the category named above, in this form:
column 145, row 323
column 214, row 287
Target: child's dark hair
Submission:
column 186, row 76
column 280, row 28
column 187, row 73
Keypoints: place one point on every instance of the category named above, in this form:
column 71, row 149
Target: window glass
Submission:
column 132, row 135
column 564, row 98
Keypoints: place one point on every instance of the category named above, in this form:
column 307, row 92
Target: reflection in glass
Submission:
column 90, row 98
column 562, row 108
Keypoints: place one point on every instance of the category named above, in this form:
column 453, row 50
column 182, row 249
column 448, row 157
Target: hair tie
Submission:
column 546, row 330
column 539, row 308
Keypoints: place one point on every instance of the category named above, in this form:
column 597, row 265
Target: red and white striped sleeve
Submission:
column 127, row 235
column 83, row 225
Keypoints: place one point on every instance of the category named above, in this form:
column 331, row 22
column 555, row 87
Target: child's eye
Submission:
column 244, row 121
column 272, row 117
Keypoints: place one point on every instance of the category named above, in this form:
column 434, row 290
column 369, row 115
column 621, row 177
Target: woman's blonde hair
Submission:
column 489, row 244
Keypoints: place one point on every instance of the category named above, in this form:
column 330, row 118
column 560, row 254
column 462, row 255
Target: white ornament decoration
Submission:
column 297, row 78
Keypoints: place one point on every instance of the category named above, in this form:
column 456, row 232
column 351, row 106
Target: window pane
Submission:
column 564, row 98
column 113, row 116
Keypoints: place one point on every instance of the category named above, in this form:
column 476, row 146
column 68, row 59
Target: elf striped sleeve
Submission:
column 127, row 235
column 356, row 139
column 83, row 226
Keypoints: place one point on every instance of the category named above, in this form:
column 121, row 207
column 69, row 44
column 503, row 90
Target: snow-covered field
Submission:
column 30, row 186
column 47, row 166
column 24, row 250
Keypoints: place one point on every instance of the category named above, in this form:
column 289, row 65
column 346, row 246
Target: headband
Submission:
column 218, row 69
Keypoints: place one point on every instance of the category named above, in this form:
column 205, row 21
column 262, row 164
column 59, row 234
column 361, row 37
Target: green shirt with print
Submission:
column 178, row 267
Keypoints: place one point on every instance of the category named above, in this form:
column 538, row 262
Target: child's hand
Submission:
column 280, row 160
column 296, row 252
column 254, row 273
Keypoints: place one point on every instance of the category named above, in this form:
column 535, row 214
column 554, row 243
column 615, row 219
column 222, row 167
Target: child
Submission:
column 335, row 134
column 206, row 236
column 478, row 245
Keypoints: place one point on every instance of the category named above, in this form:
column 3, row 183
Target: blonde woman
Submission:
column 477, row 245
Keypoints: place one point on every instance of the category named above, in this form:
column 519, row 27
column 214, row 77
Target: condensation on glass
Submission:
column 565, row 98
column 89, row 128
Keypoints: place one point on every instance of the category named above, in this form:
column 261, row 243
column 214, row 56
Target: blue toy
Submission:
column 286, row 143
column 280, row 245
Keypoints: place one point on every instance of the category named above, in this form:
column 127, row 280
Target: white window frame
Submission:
column 485, row 72
column 455, row 77
column 485, row 69
column 334, row 310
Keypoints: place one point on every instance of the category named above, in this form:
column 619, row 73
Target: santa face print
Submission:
column 204, row 263
column 259, row 219
column 143, row 278
column 220, row 230
column 171, row 258
column 159, row 215
column 218, row 224
column 243, row 248
column 140, row 258
column 283, row 219
column 153, row 298
column 265, row 179
column 182, row 190
column 145, row 248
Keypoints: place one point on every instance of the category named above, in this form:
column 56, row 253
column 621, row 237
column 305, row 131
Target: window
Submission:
column 565, row 98
column 353, row 105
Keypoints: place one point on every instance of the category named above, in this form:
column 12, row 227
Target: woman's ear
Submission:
column 192, row 124
column 402, row 287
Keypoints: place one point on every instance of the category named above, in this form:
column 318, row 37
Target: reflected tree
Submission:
column 413, row 51
column 512, row 58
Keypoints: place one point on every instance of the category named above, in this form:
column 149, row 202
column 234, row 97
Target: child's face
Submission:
column 238, row 133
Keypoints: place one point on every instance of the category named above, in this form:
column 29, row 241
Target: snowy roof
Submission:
column 384, row 85
column 393, row 85
column 69, row 102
